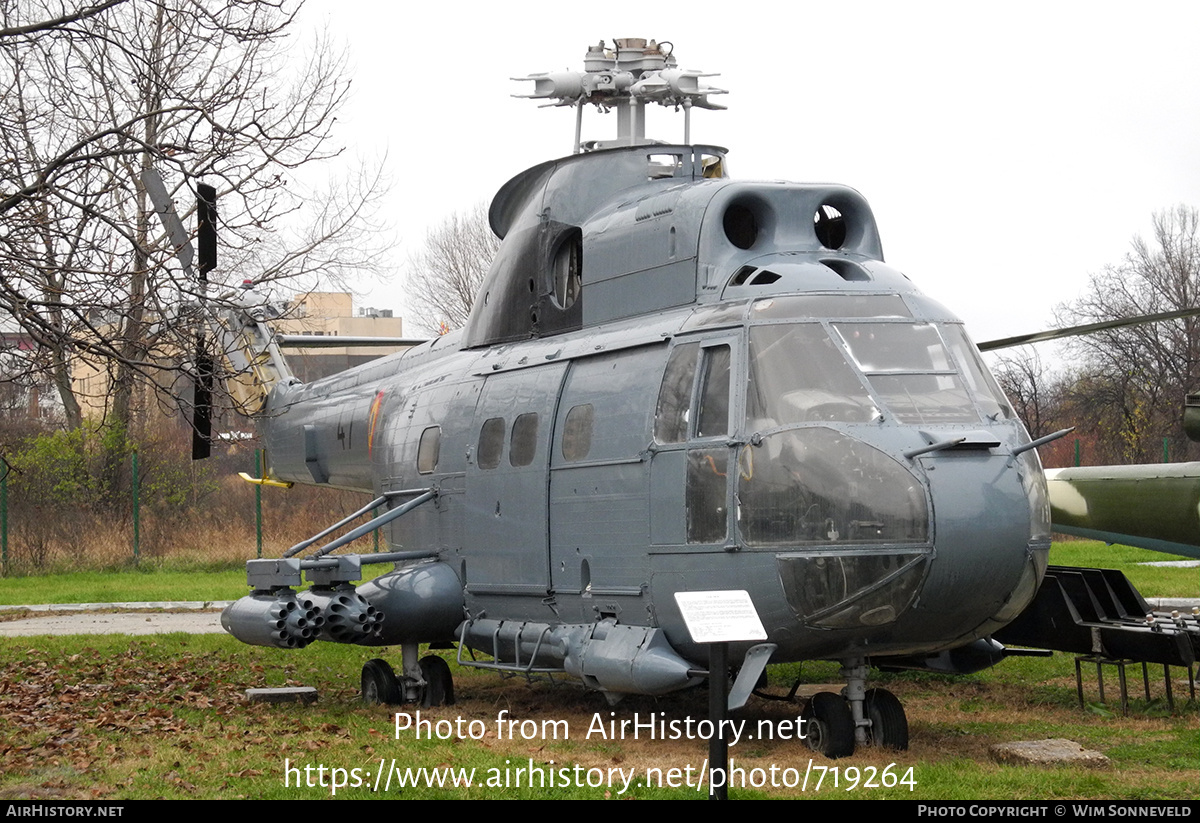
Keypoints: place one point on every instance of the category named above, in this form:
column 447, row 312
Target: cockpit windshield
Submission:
column 980, row 383
column 922, row 373
column 911, row 370
column 799, row 375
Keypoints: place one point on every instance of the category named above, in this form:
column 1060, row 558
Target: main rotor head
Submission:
column 625, row 78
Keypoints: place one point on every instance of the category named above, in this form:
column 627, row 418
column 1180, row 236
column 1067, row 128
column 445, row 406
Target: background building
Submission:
column 316, row 314
column 331, row 314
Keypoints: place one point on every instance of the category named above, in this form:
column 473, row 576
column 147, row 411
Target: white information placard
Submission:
column 720, row 616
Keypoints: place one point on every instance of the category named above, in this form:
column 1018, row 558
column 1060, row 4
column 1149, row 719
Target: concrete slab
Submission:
column 283, row 694
column 1051, row 752
column 1166, row 604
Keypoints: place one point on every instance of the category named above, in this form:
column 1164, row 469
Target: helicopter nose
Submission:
column 982, row 540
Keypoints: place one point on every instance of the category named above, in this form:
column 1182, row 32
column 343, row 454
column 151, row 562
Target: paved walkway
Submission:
column 164, row 617
column 204, row 617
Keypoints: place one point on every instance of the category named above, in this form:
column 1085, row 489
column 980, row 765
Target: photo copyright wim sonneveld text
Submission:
column 1074, row 809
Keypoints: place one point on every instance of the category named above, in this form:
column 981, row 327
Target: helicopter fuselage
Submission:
column 673, row 382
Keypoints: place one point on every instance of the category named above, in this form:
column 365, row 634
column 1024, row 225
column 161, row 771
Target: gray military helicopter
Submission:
column 671, row 382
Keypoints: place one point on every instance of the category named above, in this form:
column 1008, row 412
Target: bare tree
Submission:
column 1134, row 380
column 64, row 19
column 1033, row 391
column 445, row 277
column 201, row 90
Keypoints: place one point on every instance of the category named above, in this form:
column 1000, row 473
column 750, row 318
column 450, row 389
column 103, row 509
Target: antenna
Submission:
column 626, row 78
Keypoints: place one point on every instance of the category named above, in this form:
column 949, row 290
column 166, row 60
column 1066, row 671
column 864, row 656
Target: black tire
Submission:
column 439, row 684
column 379, row 684
column 889, row 725
column 830, row 726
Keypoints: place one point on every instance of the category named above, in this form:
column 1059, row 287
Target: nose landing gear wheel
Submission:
column 830, row 727
column 439, row 684
column 889, row 726
column 379, row 684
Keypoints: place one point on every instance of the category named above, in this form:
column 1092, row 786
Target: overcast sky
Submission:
column 1008, row 150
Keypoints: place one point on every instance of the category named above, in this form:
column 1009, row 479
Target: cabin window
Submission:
column 428, row 448
column 675, row 395
column 491, row 443
column 714, row 397
column 524, row 440
column 577, row 433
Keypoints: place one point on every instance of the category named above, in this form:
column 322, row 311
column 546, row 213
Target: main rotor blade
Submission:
column 164, row 207
column 304, row 341
column 1086, row 328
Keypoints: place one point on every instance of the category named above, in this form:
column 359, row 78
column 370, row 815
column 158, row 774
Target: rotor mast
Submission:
column 625, row 78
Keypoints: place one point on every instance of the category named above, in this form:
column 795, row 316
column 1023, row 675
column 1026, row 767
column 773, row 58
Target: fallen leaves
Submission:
column 86, row 709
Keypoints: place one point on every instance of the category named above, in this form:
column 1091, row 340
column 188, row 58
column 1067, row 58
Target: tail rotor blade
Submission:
column 202, row 403
column 206, row 217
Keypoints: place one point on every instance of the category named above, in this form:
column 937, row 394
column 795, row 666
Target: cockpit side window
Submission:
column 713, row 416
column 694, row 405
column 707, row 482
column 675, row 395
column 672, row 416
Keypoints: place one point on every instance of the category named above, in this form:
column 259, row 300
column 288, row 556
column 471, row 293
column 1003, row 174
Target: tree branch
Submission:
column 59, row 22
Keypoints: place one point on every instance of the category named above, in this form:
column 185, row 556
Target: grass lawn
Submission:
column 146, row 582
column 167, row 581
column 1151, row 581
column 114, row 717
column 122, row 718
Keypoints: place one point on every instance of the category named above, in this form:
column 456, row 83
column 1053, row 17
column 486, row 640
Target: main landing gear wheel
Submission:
column 439, row 684
column 830, row 727
column 889, row 726
column 379, row 684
